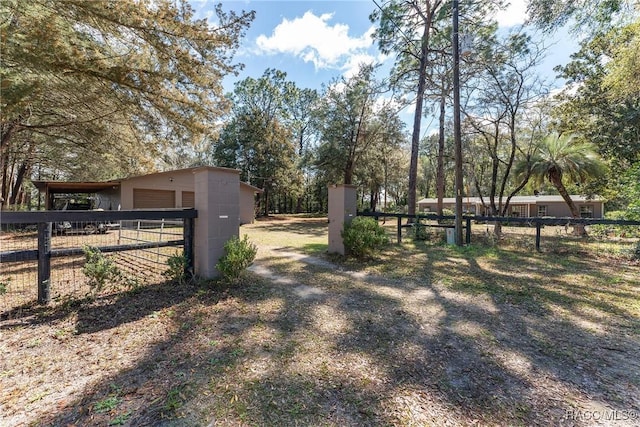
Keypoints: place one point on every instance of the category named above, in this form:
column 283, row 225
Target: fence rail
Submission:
column 537, row 222
column 44, row 224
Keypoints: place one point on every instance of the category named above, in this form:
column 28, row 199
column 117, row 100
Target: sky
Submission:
column 317, row 41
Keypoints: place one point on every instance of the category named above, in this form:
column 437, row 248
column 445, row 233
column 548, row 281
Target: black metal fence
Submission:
column 539, row 233
column 42, row 253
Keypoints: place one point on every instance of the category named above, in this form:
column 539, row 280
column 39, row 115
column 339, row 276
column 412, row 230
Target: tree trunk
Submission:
column 440, row 168
column 8, row 129
column 266, row 201
column 23, row 170
column 556, row 180
column 497, row 225
column 4, row 185
column 417, row 120
column 348, row 172
column 373, row 201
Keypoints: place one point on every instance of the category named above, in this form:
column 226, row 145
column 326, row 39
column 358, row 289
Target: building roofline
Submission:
column 519, row 199
column 255, row 189
column 74, row 186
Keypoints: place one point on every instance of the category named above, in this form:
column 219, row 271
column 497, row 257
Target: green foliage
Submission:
column 107, row 404
column 623, row 77
column 99, row 269
column 612, row 230
column 563, row 159
column 420, row 232
column 163, row 68
column 631, row 184
column 258, row 139
column 583, row 14
column 239, row 254
column 363, row 236
column 4, row 285
column 445, row 212
column 346, row 110
column 602, row 104
column 121, row 419
column 177, row 269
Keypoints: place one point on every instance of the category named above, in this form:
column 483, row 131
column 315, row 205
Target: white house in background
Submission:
column 524, row 206
column 170, row 189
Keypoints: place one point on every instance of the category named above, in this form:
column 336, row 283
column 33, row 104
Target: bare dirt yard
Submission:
column 424, row 334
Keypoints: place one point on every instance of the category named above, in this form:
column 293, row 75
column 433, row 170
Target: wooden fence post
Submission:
column 399, row 229
column 538, row 227
column 468, row 231
column 44, row 262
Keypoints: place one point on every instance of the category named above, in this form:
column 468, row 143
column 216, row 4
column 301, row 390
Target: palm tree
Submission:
column 562, row 158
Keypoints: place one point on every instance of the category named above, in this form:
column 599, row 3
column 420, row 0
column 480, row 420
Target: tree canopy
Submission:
column 110, row 77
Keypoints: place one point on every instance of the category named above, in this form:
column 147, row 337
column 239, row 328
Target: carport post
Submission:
column 342, row 209
column 44, row 262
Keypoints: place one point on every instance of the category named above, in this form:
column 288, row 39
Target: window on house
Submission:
column 542, row 210
column 586, row 211
column 518, row 211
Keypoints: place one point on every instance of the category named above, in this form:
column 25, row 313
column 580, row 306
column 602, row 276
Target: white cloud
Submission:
column 514, row 14
column 355, row 62
column 313, row 39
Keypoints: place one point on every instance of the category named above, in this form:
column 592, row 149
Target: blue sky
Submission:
column 316, row 41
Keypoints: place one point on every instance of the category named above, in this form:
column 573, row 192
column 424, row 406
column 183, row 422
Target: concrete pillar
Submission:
column 342, row 209
column 217, row 200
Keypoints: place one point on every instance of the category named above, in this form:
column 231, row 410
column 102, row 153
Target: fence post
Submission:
column 399, row 232
column 343, row 208
column 44, row 262
column 187, row 235
column 538, row 227
column 468, row 231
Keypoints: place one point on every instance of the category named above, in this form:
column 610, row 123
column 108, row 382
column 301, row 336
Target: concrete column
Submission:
column 342, row 209
column 217, row 199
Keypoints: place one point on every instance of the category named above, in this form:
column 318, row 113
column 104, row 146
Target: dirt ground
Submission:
column 424, row 334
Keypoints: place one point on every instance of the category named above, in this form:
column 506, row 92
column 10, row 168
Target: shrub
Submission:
column 176, row 269
column 635, row 252
column 420, row 232
column 239, row 254
column 604, row 230
column 99, row 269
column 363, row 236
column 447, row 212
column 4, row 285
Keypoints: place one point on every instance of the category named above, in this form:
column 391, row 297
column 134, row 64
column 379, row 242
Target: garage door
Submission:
column 153, row 199
column 188, row 199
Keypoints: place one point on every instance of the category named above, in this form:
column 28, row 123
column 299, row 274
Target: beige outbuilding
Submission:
column 169, row 189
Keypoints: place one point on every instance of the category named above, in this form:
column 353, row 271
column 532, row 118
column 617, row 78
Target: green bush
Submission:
column 4, row 285
column 420, row 232
column 176, row 269
column 239, row 254
column 99, row 269
column 611, row 230
column 363, row 236
column 447, row 212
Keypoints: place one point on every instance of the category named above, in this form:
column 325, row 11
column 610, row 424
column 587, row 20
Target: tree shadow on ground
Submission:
column 362, row 350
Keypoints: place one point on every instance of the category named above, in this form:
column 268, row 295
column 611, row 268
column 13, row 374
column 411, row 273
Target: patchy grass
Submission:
column 424, row 334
